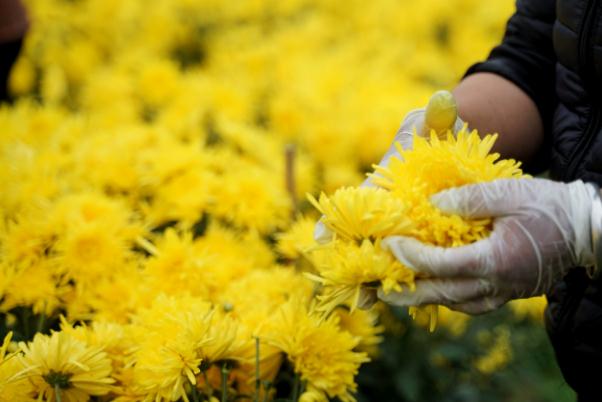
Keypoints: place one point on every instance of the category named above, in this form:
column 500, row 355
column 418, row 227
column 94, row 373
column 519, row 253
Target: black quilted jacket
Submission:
column 552, row 49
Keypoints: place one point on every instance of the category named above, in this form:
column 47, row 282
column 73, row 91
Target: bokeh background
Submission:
column 138, row 100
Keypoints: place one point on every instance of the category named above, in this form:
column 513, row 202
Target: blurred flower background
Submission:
column 154, row 167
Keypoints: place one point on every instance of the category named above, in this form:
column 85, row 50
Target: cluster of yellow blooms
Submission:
column 148, row 201
column 361, row 217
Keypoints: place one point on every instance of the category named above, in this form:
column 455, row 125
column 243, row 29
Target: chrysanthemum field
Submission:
column 156, row 234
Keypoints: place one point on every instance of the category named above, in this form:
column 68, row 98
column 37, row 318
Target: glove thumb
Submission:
column 483, row 200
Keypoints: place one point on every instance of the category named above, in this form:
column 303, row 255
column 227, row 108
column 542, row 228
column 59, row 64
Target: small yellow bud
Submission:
column 441, row 113
column 227, row 306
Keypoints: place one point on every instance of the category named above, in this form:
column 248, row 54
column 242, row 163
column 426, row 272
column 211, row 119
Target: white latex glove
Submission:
column 541, row 230
column 412, row 122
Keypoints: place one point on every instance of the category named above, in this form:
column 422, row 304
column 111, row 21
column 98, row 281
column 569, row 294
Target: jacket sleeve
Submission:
column 526, row 57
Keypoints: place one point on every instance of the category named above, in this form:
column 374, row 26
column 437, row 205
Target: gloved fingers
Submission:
column 322, row 235
column 470, row 261
column 405, row 138
column 484, row 200
column 412, row 122
column 368, row 182
column 439, row 291
column 458, row 125
column 367, row 298
column 479, row 306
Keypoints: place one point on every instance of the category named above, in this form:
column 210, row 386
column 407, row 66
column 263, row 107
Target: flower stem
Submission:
column 57, row 392
column 291, row 188
column 208, row 389
column 257, row 372
column 41, row 322
column 266, row 389
column 195, row 394
column 296, row 386
column 225, row 382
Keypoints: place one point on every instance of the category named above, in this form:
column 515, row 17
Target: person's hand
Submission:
column 440, row 115
column 413, row 123
column 541, row 230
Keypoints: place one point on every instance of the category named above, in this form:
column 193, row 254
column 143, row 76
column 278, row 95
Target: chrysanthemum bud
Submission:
column 441, row 113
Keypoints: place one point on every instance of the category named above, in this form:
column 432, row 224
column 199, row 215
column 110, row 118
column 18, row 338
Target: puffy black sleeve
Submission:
column 526, row 57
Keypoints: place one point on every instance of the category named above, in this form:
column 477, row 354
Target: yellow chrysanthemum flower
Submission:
column 261, row 292
column 89, row 251
column 248, row 198
column 532, row 308
column 114, row 339
column 44, row 293
column 169, row 334
column 239, row 251
column 363, row 213
column 298, row 239
column 434, row 165
column 343, row 268
column 363, row 324
column 113, row 297
column 178, row 267
column 61, row 367
column 25, row 243
column 499, row 353
column 320, row 352
column 164, row 370
column 14, row 385
column 454, row 321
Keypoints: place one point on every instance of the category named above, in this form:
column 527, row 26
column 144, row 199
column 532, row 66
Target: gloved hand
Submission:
column 541, row 230
column 413, row 122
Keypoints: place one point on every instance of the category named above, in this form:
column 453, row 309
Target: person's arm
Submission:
column 13, row 21
column 513, row 91
column 13, row 25
column 493, row 104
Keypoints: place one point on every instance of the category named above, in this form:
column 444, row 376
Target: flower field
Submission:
column 156, row 237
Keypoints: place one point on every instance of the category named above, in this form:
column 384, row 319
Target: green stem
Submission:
column 208, row 389
column 195, row 393
column 225, row 382
column 57, row 393
column 296, row 386
column 41, row 322
column 266, row 389
column 257, row 373
column 290, row 154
